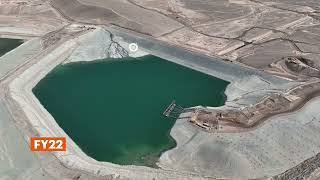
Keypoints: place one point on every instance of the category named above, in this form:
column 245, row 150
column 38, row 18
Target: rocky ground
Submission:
column 253, row 32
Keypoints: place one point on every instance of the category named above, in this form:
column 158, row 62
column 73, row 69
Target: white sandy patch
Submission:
column 98, row 45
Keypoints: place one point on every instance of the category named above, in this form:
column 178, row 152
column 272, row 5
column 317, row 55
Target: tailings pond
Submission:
column 7, row 45
column 112, row 108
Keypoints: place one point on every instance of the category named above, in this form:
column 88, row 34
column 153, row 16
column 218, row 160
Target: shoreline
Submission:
column 213, row 66
column 20, row 91
column 259, row 45
column 182, row 126
column 44, row 124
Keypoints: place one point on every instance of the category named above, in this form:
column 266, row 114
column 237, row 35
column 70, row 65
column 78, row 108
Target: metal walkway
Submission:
column 173, row 110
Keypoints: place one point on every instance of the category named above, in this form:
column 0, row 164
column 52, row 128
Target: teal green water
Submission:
column 7, row 45
column 113, row 109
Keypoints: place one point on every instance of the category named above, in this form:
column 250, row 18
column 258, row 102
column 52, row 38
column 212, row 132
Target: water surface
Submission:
column 7, row 45
column 113, row 108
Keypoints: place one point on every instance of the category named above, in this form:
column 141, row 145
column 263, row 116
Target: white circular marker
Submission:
column 133, row 47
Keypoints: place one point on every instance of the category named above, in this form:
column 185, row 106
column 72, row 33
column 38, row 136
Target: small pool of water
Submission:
column 113, row 108
column 7, row 45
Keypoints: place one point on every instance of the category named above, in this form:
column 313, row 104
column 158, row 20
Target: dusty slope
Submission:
column 119, row 13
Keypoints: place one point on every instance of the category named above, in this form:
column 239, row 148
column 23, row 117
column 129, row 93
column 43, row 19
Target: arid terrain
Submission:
column 267, row 49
